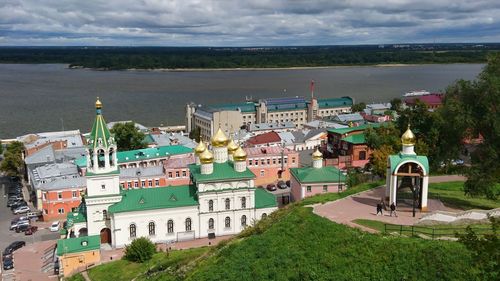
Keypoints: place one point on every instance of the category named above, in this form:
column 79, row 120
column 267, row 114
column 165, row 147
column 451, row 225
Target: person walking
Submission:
column 379, row 209
column 393, row 209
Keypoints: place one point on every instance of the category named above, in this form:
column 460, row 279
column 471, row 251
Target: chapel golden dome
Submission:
column 240, row 155
column 317, row 155
column 219, row 139
column 98, row 104
column 206, row 157
column 408, row 138
column 232, row 147
column 200, row 148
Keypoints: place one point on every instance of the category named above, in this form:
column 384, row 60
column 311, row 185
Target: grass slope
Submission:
column 452, row 195
column 303, row 246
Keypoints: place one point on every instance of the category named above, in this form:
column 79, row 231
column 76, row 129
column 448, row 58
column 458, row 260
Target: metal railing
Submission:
column 434, row 233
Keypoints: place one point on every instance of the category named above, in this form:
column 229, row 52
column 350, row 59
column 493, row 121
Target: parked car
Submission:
column 21, row 218
column 32, row 229
column 271, row 187
column 18, row 204
column 15, row 225
column 22, row 228
column 12, row 247
column 13, row 202
column 55, row 226
column 8, row 263
column 282, row 185
column 33, row 215
column 21, row 210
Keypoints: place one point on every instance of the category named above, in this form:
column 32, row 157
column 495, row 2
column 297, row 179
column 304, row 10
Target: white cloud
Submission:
column 249, row 22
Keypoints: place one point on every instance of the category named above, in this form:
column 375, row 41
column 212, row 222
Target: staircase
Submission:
column 49, row 258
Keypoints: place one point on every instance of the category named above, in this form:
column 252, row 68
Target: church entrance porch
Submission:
column 105, row 236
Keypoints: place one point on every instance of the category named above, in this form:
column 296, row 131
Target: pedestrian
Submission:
column 379, row 209
column 393, row 209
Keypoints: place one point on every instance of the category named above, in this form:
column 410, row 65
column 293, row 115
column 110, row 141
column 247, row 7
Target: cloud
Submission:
column 243, row 23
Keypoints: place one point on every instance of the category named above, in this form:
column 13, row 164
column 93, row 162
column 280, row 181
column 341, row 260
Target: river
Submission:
column 47, row 97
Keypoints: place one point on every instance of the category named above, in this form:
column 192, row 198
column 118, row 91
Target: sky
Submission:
column 245, row 22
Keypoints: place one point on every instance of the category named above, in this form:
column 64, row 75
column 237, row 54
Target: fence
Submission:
column 434, row 233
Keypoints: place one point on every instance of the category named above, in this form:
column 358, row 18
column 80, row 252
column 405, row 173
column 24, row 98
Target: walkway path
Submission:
column 363, row 206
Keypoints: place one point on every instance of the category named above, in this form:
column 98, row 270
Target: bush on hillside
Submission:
column 140, row 250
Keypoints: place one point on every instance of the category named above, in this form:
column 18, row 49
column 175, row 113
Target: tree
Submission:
column 358, row 107
column 1, row 147
column 378, row 159
column 195, row 134
column 396, row 104
column 12, row 163
column 140, row 250
column 128, row 137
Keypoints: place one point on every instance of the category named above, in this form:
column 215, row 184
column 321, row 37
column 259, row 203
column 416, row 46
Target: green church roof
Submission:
column 355, row 139
column 397, row 159
column 221, row 172
column 78, row 244
column 336, row 102
column 317, row 175
column 264, row 199
column 155, row 198
column 342, row 131
column 99, row 131
column 143, row 154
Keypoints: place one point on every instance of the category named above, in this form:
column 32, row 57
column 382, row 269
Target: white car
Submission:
column 54, row 226
column 22, row 210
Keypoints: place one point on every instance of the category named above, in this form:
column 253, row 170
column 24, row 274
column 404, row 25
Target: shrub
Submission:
column 140, row 250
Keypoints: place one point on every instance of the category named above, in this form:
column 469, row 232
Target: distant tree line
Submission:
column 118, row 58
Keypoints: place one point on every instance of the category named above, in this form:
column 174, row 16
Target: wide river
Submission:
column 46, row 97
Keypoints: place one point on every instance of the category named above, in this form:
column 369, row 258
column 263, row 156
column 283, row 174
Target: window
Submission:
column 136, row 184
column 243, row 202
column 325, row 188
column 129, row 184
column 264, row 215
column 157, row 182
column 60, row 211
column 132, row 230
column 243, row 220
column 227, row 222
column 293, row 160
column 188, row 224
column 151, row 228
column 268, row 161
column 262, row 173
column 228, row 204
column 143, row 183
column 169, row 175
column 44, row 195
column 262, row 161
column 210, row 205
column 250, row 162
column 150, row 183
column 177, row 174
column 211, row 223
column 170, row 226
column 59, row 195
column 103, row 186
column 74, row 194
column 362, row 155
column 104, row 214
column 184, row 174
column 274, row 161
column 308, row 188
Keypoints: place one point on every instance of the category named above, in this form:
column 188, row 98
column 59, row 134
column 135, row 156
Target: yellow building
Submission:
column 76, row 254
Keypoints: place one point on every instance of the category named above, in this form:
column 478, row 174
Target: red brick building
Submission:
column 60, row 197
column 270, row 164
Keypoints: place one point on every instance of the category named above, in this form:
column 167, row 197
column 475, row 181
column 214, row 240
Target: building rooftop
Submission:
column 335, row 102
column 271, row 150
column 222, row 172
column 318, row 124
column 174, row 163
column 271, row 126
column 55, row 170
column 355, row 139
column 327, row 174
column 155, row 198
column 126, row 173
column 68, row 183
column 173, row 139
column 397, row 159
column 44, row 155
column 264, row 199
column 270, row 137
column 353, row 129
column 246, row 107
column 73, row 138
column 349, row 117
column 78, row 244
column 432, row 99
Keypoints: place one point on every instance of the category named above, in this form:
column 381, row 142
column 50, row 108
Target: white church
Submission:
column 220, row 200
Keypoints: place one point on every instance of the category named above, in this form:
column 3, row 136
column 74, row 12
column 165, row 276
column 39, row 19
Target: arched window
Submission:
column 264, row 215
column 100, row 158
column 228, row 204
column 151, row 227
column 111, row 156
column 210, row 205
column 243, row 220
column 188, row 224
column 211, row 223
column 132, row 230
column 170, row 226
column 228, row 222
column 243, row 202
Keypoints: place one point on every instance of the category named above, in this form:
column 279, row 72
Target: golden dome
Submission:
column 232, row 147
column 408, row 138
column 317, row 155
column 240, row 155
column 200, row 148
column 98, row 104
column 206, row 157
column 219, row 139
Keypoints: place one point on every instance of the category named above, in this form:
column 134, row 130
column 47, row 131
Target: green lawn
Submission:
column 125, row 270
column 452, row 195
column 435, row 230
column 327, row 197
